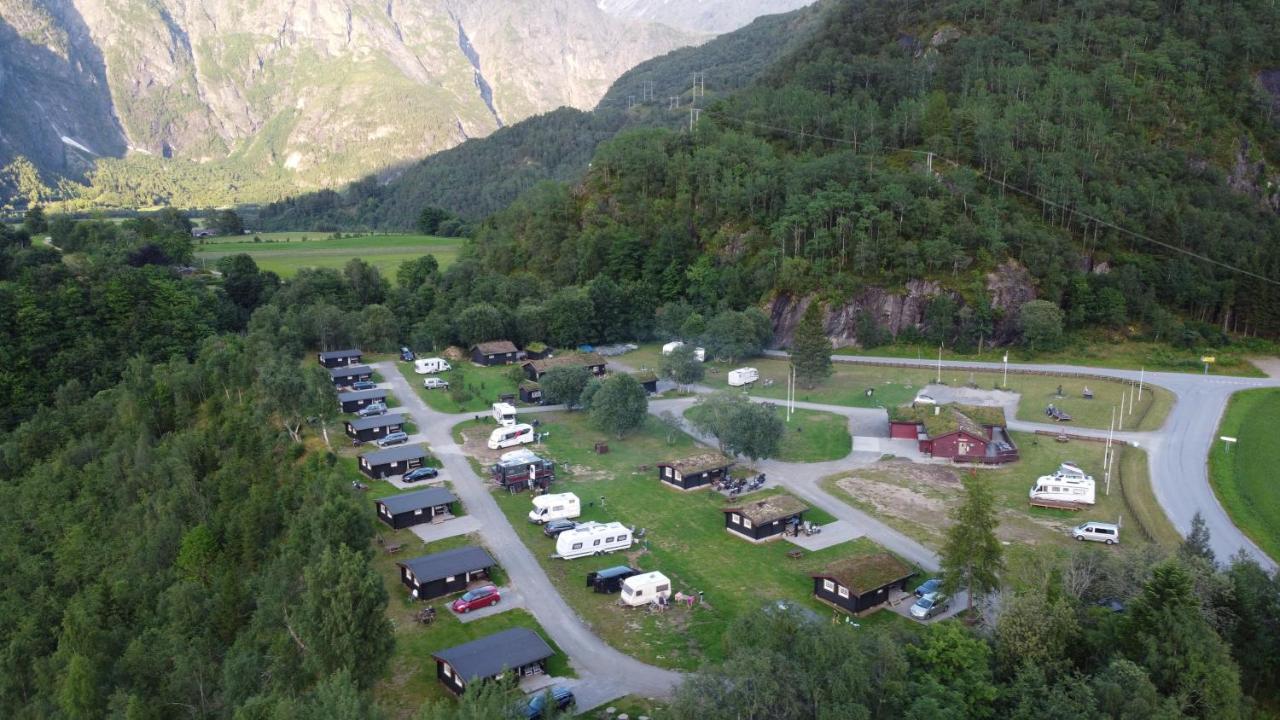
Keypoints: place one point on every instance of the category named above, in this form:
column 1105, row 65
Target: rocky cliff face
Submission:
column 327, row 90
column 711, row 16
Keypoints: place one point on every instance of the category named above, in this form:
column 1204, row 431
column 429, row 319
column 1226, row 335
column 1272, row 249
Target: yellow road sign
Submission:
column 1208, row 359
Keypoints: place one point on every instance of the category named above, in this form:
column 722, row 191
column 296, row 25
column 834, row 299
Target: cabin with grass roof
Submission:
column 695, row 471
column 766, row 518
column 858, row 584
column 593, row 362
column 960, row 433
column 530, row 392
column 648, row 379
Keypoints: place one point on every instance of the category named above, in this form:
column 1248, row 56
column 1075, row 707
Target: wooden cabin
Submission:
column 519, row 651
column 356, row 399
column 340, row 358
column 416, row 508
column 695, row 471
column 494, row 352
column 535, row 369
column 442, row 573
column 765, row 519
column 392, row 461
column 374, row 428
column 858, row 584
column 961, row 433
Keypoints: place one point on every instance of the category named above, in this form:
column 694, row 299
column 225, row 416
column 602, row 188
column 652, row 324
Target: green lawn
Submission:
column 686, row 540
column 484, row 384
column 1243, row 474
column 286, row 253
column 810, row 436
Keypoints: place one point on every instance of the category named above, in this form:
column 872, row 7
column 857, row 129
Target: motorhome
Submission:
column 1070, row 471
column 522, row 469
column 645, row 588
column 505, row 437
column 428, row 366
column 1108, row 533
column 504, row 414
column 1063, row 490
column 556, row 506
column 699, row 353
column 592, row 538
column 743, row 376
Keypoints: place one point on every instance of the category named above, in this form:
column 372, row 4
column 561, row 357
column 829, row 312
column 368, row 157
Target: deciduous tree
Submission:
column 620, row 405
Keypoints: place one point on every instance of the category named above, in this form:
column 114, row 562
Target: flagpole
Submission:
column 1005, row 383
column 1141, row 376
column 939, row 363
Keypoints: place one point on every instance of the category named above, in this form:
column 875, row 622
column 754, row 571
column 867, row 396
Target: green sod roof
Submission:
column 950, row 418
column 645, row 376
column 866, row 573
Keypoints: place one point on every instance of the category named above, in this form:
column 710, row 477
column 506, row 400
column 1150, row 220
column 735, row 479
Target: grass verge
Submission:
column 1243, row 473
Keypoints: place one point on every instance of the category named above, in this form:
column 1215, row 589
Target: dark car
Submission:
column 364, row 385
column 481, row 597
column 372, row 409
column 928, row 586
column 422, row 473
column 395, row 438
column 536, row 706
column 555, row 527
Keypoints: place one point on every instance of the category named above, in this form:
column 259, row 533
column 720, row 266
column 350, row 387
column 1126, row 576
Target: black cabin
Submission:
column 695, row 471
column 356, row 399
column 530, row 393
column 374, row 428
column 648, row 379
column 392, row 461
column 350, row 373
column 520, row 469
column 340, row 358
column 431, row 576
column 764, row 519
column 520, row 651
column 494, row 352
column 536, row 351
column 415, row 508
column 860, row 583
column 609, row 580
column 535, row 369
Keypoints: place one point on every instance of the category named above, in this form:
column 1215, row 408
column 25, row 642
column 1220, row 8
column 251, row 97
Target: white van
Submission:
column 743, row 376
column 645, row 588
column 505, row 437
column 504, row 414
column 561, row 506
column 592, row 538
column 427, row 366
column 1108, row 533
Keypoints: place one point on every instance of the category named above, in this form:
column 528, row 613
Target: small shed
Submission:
column 350, row 373
column 860, row 583
column 764, row 519
column 415, row 508
column 593, row 362
column 340, row 358
column 494, row 352
column 530, row 393
column 647, row 379
column 696, row 471
column 432, row 576
column 374, row 428
column 392, row 461
column 536, row 351
column 519, row 651
column 356, row 399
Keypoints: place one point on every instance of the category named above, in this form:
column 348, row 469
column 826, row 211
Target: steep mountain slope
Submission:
column 716, row 16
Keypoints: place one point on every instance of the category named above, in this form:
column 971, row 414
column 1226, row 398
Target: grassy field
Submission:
column 810, row 436
column 286, row 253
column 1243, row 474
column 484, row 383
column 686, row 540
column 849, row 383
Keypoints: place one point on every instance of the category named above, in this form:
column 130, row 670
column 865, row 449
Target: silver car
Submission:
column 931, row 604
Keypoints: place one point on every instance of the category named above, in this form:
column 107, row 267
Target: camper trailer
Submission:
column 645, row 588
column 505, row 437
column 592, row 538
column 561, row 506
column 743, row 376
column 522, row 469
column 428, row 366
column 700, row 353
column 609, row 580
column 1054, row 491
column 504, row 414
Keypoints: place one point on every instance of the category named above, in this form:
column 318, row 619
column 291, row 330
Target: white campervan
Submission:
column 743, row 376
column 645, row 588
column 1108, row 533
column 561, row 506
column 1053, row 488
column 505, row 437
column 700, row 353
column 428, row 366
column 592, row 538
column 504, row 414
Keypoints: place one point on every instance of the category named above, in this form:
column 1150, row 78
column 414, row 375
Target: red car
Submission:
column 475, row 599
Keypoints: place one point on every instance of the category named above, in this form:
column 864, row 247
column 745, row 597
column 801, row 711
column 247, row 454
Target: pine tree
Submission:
column 972, row 557
column 811, row 349
column 1197, row 542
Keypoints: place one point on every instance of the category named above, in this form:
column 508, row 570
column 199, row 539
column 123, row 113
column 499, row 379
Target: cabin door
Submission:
column 962, row 447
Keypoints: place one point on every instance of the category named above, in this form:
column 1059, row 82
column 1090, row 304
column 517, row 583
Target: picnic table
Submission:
column 795, row 554
column 393, row 548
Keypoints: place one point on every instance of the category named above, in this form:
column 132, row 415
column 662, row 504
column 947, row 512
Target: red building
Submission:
column 961, row 433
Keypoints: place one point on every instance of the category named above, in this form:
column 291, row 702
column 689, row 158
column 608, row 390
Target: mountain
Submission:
column 294, row 94
column 712, row 16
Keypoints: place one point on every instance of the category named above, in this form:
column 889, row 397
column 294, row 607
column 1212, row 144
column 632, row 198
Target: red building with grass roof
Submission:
column 961, row 433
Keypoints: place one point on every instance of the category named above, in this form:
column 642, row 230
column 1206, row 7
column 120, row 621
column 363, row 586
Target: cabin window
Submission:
column 842, row 591
column 451, row 578
column 736, row 520
column 446, row 670
column 746, row 523
column 666, row 471
column 828, row 586
column 417, row 512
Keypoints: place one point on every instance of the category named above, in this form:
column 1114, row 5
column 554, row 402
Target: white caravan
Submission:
column 428, row 366
column 700, row 353
column 645, row 588
column 504, row 414
column 592, row 538
column 505, row 437
column 561, row 506
column 743, row 376
column 1051, row 488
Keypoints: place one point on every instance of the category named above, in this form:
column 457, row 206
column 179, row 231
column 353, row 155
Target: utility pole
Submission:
column 1108, row 455
column 631, row 101
column 1120, row 424
column 673, row 102
column 1141, row 376
column 693, row 117
column 939, row 363
column 1005, row 384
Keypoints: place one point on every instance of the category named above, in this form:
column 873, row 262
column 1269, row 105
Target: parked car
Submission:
column 422, row 473
column 535, row 707
column 406, row 354
column 1108, row 533
column 481, row 597
column 364, row 385
column 930, row 605
column 395, row 438
column 929, row 586
column 372, row 409
column 434, row 383
column 555, row 527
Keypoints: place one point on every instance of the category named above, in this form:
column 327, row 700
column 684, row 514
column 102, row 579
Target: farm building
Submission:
column 520, row 469
column 494, row 352
column 340, row 358
column 535, row 369
column 356, row 399
column 431, row 576
column 961, row 433
column 695, row 471
column 415, row 508
column 519, row 651
column 373, row 428
column 349, row 374
column 530, row 393
column 859, row 583
column 764, row 519
column 648, row 379
column 392, row 461
column 536, row 351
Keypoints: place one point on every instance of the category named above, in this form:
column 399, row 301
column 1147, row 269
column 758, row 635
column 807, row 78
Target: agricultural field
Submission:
column 685, row 539
column 1243, row 474
column 849, row 383
column 286, row 253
